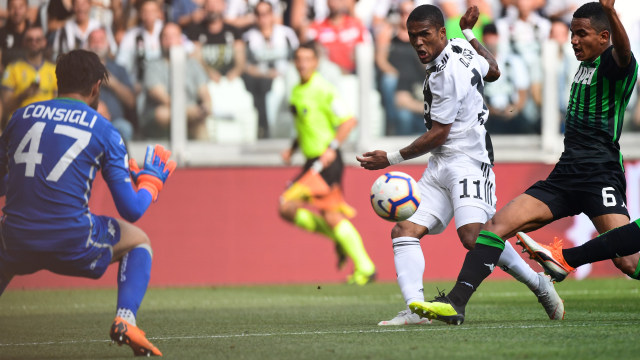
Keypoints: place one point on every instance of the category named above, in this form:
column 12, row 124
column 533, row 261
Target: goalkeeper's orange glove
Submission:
column 157, row 168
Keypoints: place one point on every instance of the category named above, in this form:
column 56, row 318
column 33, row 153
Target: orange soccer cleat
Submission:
column 548, row 256
column 122, row 332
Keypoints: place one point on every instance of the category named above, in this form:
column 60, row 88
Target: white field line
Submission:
column 315, row 333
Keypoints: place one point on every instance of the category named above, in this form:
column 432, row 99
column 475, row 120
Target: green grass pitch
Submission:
column 326, row 321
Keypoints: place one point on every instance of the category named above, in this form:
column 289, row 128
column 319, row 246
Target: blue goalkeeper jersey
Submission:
column 53, row 151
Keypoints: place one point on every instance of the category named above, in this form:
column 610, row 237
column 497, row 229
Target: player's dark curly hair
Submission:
column 428, row 13
column 595, row 13
column 78, row 70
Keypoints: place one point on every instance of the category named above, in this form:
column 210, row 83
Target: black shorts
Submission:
column 332, row 174
column 572, row 189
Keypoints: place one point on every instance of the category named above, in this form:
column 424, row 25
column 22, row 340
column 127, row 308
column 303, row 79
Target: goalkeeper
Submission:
column 49, row 155
column 322, row 125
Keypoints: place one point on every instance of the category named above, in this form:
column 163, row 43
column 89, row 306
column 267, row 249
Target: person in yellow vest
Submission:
column 31, row 79
column 322, row 125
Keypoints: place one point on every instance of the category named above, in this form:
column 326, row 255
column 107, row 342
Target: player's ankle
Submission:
column 127, row 315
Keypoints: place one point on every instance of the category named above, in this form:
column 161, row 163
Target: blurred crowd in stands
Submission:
column 238, row 71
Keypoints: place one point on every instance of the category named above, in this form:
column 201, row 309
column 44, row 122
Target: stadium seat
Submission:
column 234, row 119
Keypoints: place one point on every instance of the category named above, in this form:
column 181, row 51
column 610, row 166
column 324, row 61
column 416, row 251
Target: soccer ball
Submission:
column 395, row 196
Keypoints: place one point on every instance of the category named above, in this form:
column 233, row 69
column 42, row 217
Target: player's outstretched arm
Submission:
column 619, row 38
column 157, row 169
column 378, row 159
column 467, row 21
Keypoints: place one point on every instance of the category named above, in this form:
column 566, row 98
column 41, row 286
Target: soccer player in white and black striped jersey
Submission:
column 459, row 180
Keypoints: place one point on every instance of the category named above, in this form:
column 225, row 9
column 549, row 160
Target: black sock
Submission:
column 478, row 264
column 618, row 242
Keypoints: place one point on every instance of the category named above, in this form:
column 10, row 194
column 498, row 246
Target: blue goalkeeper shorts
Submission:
column 90, row 259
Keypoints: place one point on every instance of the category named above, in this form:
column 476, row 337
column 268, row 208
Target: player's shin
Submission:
column 409, row 261
column 511, row 262
column 618, row 242
column 306, row 219
column 349, row 238
column 478, row 264
column 133, row 277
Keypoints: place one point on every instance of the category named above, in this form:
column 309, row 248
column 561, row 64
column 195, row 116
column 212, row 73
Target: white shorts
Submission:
column 455, row 186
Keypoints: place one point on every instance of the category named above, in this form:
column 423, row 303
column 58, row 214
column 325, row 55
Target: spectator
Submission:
column 157, row 84
column 219, row 46
column 507, row 96
column 523, row 32
column 241, row 13
column 12, row 32
column 452, row 24
column 58, row 12
column 141, row 44
column 566, row 65
column 409, row 99
column 126, row 15
column 394, row 55
column 562, row 9
column 302, row 12
column 31, row 79
column 187, row 12
column 386, row 12
column 339, row 34
column 33, row 11
column 452, row 8
column 270, row 47
column 117, row 94
column 389, row 10
column 75, row 31
column 103, row 11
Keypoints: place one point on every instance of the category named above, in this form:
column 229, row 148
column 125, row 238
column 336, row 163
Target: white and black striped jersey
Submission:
column 453, row 95
column 272, row 53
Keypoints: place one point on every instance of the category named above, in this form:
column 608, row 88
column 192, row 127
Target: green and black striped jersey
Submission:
column 599, row 96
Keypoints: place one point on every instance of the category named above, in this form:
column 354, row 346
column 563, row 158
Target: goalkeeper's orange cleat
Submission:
column 122, row 332
column 548, row 256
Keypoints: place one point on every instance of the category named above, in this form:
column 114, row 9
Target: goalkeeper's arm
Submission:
column 129, row 203
column 149, row 180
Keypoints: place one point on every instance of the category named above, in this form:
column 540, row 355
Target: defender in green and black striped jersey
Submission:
column 598, row 99
column 588, row 178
